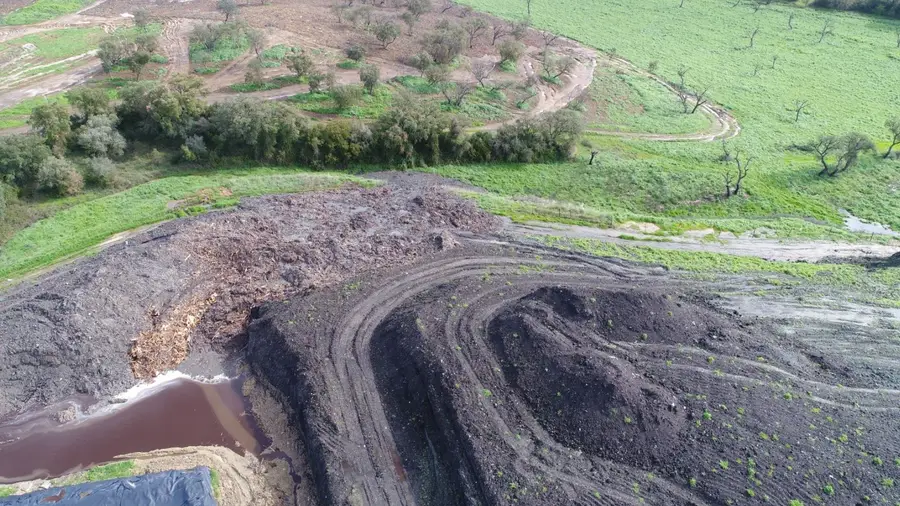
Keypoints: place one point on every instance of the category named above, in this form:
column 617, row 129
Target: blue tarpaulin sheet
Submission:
column 171, row 488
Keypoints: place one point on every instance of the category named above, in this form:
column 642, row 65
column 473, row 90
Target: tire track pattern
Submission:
column 503, row 374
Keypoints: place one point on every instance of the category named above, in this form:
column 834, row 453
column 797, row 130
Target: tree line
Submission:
column 174, row 114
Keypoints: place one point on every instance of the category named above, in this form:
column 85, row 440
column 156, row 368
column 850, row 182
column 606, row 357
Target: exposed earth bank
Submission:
column 136, row 309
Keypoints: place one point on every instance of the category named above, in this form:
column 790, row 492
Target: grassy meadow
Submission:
column 42, row 10
column 849, row 79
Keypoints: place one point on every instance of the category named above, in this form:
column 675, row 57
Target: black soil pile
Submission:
column 140, row 307
column 503, row 374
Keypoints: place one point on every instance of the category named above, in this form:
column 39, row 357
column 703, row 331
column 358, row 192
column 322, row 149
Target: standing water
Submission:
column 855, row 224
column 180, row 413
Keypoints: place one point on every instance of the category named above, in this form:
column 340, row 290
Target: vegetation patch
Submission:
column 708, row 43
column 366, row 107
column 72, row 230
column 42, row 10
column 272, row 84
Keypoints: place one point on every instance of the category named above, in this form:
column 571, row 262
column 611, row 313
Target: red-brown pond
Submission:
column 178, row 413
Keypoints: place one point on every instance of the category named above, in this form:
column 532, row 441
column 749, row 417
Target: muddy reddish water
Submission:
column 182, row 413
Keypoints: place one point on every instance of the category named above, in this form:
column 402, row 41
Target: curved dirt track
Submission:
column 503, row 373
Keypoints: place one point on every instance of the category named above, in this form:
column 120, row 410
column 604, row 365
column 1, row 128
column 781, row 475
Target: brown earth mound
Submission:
column 191, row 284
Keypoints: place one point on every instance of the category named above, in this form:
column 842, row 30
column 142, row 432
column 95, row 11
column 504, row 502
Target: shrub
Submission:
column 510, row 51
column 346, row 96
column 57, row 176
column 355, row 52
column 369, row 75
column 100, row 171
column 20, row 158
column 445, row 43
column 315, row 80
column 421, row 61
column 99, row 137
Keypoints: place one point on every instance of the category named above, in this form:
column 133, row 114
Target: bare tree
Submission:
column 447, row 5
column 736, row 3
column 845, row 151
column 679, row 5
column 791, row 21
column 456, row 93
column 827, row 29
column 482, row 70
column 339, row 10
column 683, row 97
column 700, row 98
column 759, row 4
column 734, row 180
column 475, row 27
column 528, row 5
column 753, row 37
column 549, row 38
column 774, row 59
column 499, row 30
column 898, row 37
column 555, row 65
column 682, row 71
column 799, row 108
column 756, row 69
column 893, row 126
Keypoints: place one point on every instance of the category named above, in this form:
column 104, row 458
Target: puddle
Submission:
column 855, row 224
column 179, row 413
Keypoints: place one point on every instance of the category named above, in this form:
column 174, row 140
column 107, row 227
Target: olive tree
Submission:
column 386, row 32
column 51, row 121
column 299, row 62
column 99, row 137
column 369, row 75
column 445, row 43
column 59, row 177
column 227, row 7
column 511, row 51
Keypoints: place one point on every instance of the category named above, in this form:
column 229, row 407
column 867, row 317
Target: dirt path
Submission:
column 175, row 33
column 767, row 249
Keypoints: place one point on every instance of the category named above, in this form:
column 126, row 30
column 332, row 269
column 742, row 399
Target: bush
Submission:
column 355, row 52
column 20, row 158
column 57, row 176
column 346, row 96
column 99, row 137
column 369, row 75
column 100, row 171
column 445, row 43
column 510, row 51
column 421, row 61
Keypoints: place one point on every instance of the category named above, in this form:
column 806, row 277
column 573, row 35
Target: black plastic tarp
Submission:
column 171, row 488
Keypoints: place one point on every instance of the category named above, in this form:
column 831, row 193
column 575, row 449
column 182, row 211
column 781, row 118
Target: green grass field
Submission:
column 42, row 10
column 17, row 115
column 77, row 228
column 368, row 107
column 625, row 102
column 849, row 80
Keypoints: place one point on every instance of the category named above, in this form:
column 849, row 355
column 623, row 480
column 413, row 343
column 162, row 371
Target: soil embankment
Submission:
column 96, row 326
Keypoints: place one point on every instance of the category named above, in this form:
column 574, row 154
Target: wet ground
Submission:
column 179, row 413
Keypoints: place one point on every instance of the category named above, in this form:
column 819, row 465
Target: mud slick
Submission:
column 508, row 374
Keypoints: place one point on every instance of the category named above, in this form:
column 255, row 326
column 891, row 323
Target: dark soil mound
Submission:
column 551, row 353
column 499, row 375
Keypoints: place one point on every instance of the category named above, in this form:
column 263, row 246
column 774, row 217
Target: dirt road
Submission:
column 767, row 249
